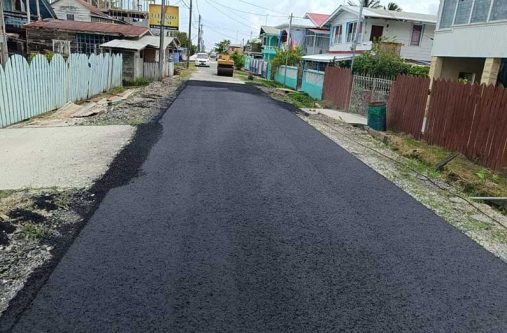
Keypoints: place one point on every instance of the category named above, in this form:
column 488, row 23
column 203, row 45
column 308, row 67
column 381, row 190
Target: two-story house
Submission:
column 270, row 37
column 413, row 31
column 471, row 41
column 80, row 10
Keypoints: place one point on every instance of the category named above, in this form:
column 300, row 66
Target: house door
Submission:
column 376, row 32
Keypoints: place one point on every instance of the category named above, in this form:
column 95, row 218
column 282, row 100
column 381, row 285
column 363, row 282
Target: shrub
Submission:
column 419, row 70
column 239, row 60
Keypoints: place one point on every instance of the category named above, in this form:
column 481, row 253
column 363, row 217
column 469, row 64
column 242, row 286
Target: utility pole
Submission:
column 199, row 35
column 4, row 53
column 289, row 42
column 356, row 37
column 161, row 51
column 189, row 35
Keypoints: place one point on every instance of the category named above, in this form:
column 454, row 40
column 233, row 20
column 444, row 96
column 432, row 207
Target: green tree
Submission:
column 183, row 38
column 366, row 3
column 222, row 46
column 239, row 60
column 393, row 6
column 378, row 63
column 291, row 57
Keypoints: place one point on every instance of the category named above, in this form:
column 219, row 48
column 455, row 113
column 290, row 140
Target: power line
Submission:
column 227, row 15
column 254, row 5
column 247, row 12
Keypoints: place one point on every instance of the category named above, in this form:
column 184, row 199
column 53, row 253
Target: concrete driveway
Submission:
column 58, row 156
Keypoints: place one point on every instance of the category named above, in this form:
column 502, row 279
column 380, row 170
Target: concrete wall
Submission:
column 291, row 80
column 399, row 32
column 313, row 83
column 488, row 40
column 64, row 7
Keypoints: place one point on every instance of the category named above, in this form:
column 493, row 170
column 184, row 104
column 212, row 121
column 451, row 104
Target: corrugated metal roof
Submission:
column 140, row 44
column 404, row 16
column 298, row 23
column 327, row 57
column 91, row 27
column 386, row 14
column 270, row 30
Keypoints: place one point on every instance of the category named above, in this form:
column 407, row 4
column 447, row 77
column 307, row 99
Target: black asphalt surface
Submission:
column 245, row 219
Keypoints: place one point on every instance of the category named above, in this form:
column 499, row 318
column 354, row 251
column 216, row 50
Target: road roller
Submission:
column 225, row 65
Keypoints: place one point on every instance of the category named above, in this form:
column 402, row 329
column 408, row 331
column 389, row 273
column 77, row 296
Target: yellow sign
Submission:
column 172, row 16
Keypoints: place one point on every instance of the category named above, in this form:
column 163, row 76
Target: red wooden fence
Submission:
column 468, row 118
column 407, row 104
column 471, row 119
column 337, row 87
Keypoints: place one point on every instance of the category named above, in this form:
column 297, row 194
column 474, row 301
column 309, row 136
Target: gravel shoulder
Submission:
column 482, row 223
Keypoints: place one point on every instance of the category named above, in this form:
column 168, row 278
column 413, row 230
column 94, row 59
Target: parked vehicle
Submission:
column 202, row 59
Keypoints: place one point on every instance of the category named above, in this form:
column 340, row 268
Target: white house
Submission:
column 80, row 10
column 471, row 41
column 413, row 31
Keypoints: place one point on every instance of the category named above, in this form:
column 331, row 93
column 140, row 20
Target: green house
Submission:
column 270, row 39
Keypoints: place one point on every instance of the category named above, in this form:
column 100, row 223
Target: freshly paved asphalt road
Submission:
column 245, row 219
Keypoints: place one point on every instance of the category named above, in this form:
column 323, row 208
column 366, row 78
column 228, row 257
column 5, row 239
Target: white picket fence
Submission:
column 27, row 90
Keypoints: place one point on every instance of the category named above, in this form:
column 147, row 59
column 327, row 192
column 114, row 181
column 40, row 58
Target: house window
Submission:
column 417, row 32
column 70, row 17
column 61, row 46
column 463, row 11
column 499, row 10
column 351, row 31
column 337, row 34
column 448, row 13
column 480, row 11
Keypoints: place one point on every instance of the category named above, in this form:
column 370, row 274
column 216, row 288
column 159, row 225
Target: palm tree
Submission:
column 366, row 3
column 393, row 6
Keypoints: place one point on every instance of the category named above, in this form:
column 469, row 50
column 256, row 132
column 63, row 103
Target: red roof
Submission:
column 124, row 30
column 316, row 18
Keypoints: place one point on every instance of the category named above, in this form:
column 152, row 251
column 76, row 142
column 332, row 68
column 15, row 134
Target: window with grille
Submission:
column 463, row 11
column 90, row 43
column 499, row 10
column 70, row 17
column 448, row 13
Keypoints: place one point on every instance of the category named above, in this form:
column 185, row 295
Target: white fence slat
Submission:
column 30, row 89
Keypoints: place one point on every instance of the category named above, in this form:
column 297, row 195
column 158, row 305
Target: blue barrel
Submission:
column 377, row 116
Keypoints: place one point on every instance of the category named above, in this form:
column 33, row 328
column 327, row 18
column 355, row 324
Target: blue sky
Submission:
column 238, row 19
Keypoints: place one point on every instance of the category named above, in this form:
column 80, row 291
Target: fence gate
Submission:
column 337, row 86
column 367, row 89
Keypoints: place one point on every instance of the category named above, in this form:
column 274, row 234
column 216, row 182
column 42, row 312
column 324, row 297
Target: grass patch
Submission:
column 31, row 231
column 139, row 82
column 5, row 194
column 471, row 178
column 301, row 100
